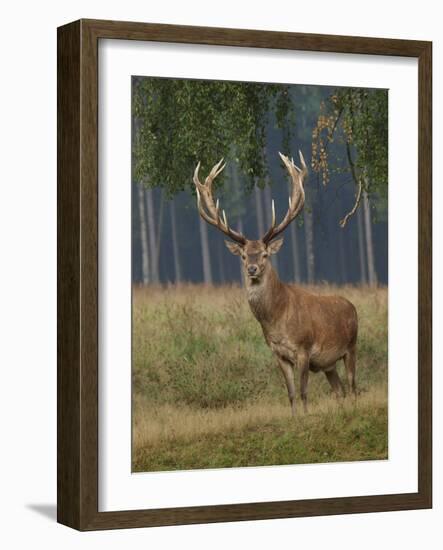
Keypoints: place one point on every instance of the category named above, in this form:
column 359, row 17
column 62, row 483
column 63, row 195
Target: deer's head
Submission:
column 254, row 254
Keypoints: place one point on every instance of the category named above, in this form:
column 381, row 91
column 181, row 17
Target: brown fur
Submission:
column 305, row 330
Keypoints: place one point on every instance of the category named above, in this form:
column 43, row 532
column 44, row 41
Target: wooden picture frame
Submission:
column 77, row 456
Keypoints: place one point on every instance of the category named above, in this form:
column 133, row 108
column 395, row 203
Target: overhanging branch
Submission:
column 358, row 181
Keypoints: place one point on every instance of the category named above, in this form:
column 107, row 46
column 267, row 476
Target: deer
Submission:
column 306, row 331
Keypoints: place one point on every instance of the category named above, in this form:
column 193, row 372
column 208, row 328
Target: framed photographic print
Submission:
column 244, row 275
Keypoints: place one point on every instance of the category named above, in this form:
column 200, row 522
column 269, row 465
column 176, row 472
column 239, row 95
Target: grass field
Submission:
column 207, row 392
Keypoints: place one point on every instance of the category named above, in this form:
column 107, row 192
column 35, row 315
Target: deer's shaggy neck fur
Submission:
column 266, row 296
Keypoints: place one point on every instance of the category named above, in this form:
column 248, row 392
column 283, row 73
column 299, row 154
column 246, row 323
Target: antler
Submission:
column 206, row 207
column 296, row 200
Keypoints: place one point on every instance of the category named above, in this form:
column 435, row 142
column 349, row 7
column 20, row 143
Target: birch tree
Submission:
column 309, row 241
column 143, row 235
column 175, row 247
column 295, row 253
column 361, row 247
column 259, row 211
column 150, row 209
column 372, row 274
column 206, row 258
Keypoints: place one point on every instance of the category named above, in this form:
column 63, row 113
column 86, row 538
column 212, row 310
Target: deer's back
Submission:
column 332, row 318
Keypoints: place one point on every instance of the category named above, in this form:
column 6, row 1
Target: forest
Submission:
column 248, row 127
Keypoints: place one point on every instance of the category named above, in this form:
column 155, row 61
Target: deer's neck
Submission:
column 266, row 297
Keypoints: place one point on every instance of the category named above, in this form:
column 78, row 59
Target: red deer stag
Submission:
column 305, row 330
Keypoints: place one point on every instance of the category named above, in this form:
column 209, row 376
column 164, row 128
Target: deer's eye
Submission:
column 243, row 256
column 265, row 255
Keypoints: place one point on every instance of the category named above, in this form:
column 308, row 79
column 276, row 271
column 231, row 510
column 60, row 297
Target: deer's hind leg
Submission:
column 335, row 382
column 349, row 360
column 288, row 372
column 303, row 367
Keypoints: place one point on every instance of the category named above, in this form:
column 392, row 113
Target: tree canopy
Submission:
column 180, row 122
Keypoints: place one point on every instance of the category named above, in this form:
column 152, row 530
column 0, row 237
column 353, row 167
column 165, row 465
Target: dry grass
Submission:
column 203, row 379
column 170, row 423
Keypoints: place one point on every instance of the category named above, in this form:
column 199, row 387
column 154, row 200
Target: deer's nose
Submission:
column 252, row 269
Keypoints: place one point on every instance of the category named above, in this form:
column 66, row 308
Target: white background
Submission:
column 118, row 489
column 28, row 274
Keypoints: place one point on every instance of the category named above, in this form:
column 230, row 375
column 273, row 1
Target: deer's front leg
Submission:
column 303, row 367
column 288, row 373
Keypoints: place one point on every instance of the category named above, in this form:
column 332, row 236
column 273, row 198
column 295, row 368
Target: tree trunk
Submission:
column 151, row 235
column 175, row 250
column 372, row 275
column 268, row 217
column 309, row 238
column 295, row 253
column 159, row 231
column 221, row 263
column 342, row 257
column 361, row 247
column 259, row 212
column 242, row 277
column 206, row 259
column 143, row 235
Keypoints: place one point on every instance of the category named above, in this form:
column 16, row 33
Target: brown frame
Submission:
column 77, row 406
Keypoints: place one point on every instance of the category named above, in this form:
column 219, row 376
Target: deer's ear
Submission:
column 274, row 246
column 235, row 248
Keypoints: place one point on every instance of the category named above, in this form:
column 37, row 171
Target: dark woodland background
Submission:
column 343, row 136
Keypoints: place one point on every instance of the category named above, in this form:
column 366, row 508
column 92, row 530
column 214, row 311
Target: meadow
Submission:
column 207, row 392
